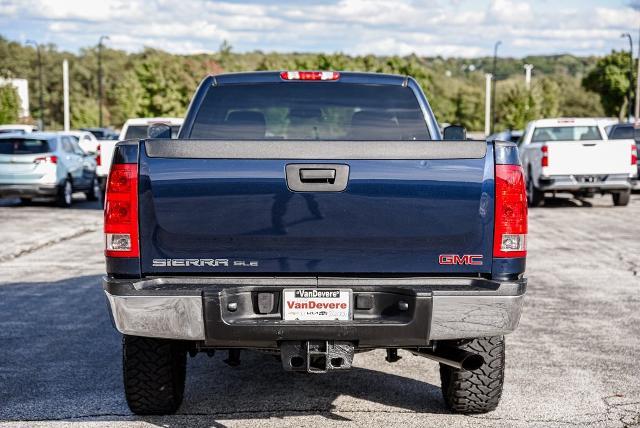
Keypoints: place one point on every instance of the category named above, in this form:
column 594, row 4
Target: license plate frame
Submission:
column 320, row 297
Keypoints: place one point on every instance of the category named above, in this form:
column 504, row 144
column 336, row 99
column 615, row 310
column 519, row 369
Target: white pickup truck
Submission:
column 575, row 156
column 132, row 129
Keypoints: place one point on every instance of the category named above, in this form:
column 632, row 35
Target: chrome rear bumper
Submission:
column 576, row 183
column 198, row 310
column 171, row 317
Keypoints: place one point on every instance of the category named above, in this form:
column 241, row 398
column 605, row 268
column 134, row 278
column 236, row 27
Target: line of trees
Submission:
column 156, row 83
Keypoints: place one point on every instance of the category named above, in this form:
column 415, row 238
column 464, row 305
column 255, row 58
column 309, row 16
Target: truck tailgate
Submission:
column 226, row 206
column 592, row 157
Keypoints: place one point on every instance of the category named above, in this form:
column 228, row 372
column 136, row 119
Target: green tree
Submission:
column 469, row 106
column 153, row 82
column 610, row 79
column 546, row 94
column 9, row 104
column 166, row 87
column 127, row 95
column 517, row 106
column 84, row 111
column 574, row 101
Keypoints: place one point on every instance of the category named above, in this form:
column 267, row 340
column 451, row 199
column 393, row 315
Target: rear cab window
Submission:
column 310, row 111
column 137, row 132
column 566, row 133
column 622, row 133
column 25, row 146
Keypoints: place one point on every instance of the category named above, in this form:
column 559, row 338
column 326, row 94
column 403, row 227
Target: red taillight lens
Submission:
column 46, row 159
column 634, row 154
column 310, row 75
column 98, row 156
column 544, row 160
column 121, row 212
column 510, row 233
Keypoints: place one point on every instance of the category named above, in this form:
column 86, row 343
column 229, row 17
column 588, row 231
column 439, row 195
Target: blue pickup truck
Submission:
column 314, row 215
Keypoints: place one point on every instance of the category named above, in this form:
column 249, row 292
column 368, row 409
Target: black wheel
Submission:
column 26, row 201
column 621, row 199
column 476, row 391
column 154, row 373
column 535, row 197
column 103, row 188
column 64, row 198
column 93, row 194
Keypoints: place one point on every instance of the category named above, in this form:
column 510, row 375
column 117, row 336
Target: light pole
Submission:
column 100, row 78
column 487, row 104
column 637, row 112
column 630, row 90
column 40, row 84
column 493, row 95
column 527, row 76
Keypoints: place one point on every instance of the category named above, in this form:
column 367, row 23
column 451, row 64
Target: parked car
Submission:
column 313, row 215
column 47, row 165
column 17, row 129
column 508, row 135
column 626, row 131
column 88, row 142
column 102, row 133
column 575, row 156
column 132, row 129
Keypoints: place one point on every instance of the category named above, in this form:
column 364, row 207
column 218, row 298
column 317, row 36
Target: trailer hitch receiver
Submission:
column 316, row 356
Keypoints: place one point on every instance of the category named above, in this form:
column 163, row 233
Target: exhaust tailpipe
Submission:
column 454, row 357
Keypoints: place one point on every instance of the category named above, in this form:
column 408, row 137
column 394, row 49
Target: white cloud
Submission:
column 450, row 28
column 510, row 11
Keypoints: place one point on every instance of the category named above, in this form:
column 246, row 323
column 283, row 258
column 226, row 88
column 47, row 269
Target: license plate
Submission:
column 590, row 179
column 316, row 305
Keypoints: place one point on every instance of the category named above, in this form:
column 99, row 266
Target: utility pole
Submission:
column 630, row 90
column 40, row 84
column 65, row 92
column 527, row 75
column 493, row 74
column 637, row 112
column 487, row 104
column 100, row 78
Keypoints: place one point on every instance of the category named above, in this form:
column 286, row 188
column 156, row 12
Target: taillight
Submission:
column 544, row 160
column 634, row 154
column 510, row 233
column 121, row 212
column 310, row 75
column 46, row 159
column 98, row 156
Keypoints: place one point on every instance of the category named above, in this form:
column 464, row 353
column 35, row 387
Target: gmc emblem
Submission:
column 465, row 259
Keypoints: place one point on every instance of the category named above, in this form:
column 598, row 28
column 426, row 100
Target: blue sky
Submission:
column 460, row 28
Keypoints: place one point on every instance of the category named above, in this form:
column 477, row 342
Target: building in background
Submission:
column 22, row 87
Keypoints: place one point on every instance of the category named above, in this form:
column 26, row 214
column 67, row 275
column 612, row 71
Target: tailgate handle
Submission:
column 589, row 144
column 317, row 177
column 308, row 175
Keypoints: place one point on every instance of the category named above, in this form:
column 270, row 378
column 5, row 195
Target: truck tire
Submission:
column 476, row 391
column 535, row 197
column 93, row 194
column 154, row 374
column 621, row 199
column 64, row 197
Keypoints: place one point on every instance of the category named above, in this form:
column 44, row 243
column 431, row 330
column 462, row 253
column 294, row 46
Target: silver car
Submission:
column 48, row 165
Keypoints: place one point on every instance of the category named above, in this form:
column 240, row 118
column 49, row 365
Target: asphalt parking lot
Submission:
column 574, row 360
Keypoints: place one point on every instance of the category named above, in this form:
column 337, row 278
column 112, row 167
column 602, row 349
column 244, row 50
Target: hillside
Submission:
column 157, row 83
